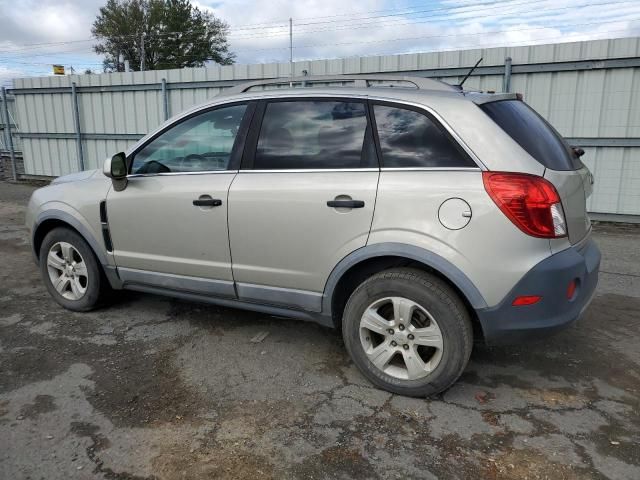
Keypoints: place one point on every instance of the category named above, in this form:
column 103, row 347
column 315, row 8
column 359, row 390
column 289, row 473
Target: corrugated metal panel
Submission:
column 581, row 103
column 98, row 150
column 17, row 144
column 617, row 185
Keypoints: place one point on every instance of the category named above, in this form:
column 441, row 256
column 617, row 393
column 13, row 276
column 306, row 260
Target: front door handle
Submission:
column 207, row 201
column 345, row 204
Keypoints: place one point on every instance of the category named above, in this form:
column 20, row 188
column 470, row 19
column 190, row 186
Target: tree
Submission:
column 168, row 33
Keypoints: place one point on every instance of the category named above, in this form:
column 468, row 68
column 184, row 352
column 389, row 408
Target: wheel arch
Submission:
column 51, row 219
column 364, row 262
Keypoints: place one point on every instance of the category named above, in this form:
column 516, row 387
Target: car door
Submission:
column 169, row 225
column 303, row 199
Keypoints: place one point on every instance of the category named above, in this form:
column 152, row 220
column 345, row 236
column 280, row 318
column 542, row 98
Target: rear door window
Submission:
column 533, row 133
column 314, row 134
column 411, row 139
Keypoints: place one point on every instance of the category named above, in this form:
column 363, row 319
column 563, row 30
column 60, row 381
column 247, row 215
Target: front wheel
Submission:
column 408, row 332
column 70, row 270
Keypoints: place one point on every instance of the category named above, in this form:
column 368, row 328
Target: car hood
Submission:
column 75, row 177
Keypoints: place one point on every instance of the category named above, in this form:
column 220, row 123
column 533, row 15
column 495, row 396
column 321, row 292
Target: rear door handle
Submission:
column 345, row 203
column 207, row 201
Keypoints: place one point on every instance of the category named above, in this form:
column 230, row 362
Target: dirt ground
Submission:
column 157, row 388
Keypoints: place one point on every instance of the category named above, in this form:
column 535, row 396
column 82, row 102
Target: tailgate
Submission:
column 574, row 187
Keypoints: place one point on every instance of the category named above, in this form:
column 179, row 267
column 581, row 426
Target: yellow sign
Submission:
column 58, row 69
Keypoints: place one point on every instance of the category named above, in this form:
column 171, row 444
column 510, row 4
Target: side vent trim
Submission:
column 104, row 222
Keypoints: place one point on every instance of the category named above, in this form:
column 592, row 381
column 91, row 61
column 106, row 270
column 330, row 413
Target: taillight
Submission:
column 529, row 201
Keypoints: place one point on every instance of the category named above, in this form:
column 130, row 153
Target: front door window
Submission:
column 199, row 144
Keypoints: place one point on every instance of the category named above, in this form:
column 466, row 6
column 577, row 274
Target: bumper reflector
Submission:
column 571, row 289
column 526, row 300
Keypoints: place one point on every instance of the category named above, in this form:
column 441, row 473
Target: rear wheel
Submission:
column 408, row 332
column 70, row 270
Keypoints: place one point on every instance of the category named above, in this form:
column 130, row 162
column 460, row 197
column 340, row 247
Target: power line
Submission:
column 402, row 11
column 284, row 22
column 36, row 46
column 369, row 24
column 476, row 45
column 498, row 4
column 450, row 48
column 337, row 27
column 498, row 15
column 359, row 24
column 530, row 42
column 187, row 35
column 421, row 37
column 444, row 35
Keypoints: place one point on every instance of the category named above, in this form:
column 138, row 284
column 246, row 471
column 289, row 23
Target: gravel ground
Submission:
column 157, row 388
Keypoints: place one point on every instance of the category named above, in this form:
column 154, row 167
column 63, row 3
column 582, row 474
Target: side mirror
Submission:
column 116, row 169
column 116, row 166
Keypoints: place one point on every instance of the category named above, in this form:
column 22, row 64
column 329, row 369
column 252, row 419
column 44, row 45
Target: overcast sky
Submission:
column 34, row 34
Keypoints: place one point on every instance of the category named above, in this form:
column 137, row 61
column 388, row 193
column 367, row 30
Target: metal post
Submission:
column 142, row 53
column 165, row 99
column 291, row 50
column 506, row 84
column 76, row 125
column 7, row 131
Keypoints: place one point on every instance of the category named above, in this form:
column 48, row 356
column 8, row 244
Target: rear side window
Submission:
column 533, row 134
column 313, row 134
column 411, row 139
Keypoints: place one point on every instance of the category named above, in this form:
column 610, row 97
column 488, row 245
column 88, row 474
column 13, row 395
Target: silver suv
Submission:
column 410, row 214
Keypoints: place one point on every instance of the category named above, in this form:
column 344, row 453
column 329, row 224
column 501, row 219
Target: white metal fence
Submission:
column 590, row 91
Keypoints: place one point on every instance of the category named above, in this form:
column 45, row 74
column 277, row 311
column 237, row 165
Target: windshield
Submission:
column 533, row 133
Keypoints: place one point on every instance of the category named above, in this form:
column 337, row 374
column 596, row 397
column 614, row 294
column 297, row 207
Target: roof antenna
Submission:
column 468, row 74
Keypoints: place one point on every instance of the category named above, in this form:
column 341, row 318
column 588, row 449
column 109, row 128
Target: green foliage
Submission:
column 176, row 34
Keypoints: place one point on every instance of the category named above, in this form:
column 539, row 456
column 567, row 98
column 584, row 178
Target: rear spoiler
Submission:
column 480, row 98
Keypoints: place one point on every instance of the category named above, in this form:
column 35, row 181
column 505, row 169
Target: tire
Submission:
column 89, row 287
column 427, row 300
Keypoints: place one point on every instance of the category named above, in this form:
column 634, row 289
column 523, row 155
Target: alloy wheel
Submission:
column 67, row 271
column 401, row 338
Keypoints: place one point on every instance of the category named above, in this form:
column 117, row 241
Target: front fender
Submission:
column 64, row 213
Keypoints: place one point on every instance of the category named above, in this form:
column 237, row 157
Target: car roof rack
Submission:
column 359, row 81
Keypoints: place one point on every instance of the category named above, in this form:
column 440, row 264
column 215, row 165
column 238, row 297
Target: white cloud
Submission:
column 430, row 27
column 325, row 28
column 7, row 74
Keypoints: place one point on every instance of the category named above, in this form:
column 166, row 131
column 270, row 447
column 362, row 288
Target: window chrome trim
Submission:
column 311, row 170
column 301, row 94
column 172, row 174
column 388, row 169
column 431, row 169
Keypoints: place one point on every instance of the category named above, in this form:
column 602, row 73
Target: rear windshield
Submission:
column 533, row 133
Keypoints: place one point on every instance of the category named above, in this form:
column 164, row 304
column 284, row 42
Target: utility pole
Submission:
column 142, row 52
column 291, row 50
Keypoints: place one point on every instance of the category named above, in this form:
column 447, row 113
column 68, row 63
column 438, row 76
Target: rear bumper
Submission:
column 506, row 324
